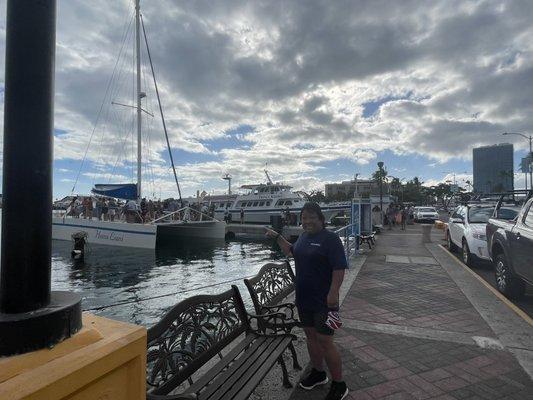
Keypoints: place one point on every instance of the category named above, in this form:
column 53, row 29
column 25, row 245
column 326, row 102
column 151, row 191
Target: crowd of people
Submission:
column 398, row 215
column 109, row 209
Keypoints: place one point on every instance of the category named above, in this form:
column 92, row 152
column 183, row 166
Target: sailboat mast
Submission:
column 139, row 111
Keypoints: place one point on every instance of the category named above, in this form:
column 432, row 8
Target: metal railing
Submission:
column 348, row 239
column 187, row 212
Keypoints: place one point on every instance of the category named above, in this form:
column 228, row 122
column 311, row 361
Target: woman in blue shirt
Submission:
column 320, row 264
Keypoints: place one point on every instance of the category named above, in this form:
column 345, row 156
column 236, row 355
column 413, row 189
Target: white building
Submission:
column 361, row 187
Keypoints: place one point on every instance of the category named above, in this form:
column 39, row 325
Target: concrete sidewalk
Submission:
column 418, row 325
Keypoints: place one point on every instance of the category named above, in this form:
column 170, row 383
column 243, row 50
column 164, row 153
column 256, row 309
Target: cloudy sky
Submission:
column 318, row 90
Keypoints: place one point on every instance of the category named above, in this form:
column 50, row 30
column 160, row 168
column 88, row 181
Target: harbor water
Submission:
column 137, row 286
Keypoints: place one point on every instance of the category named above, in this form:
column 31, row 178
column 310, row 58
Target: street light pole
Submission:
column 380, row 166
column 530, row 155
column 356, row 191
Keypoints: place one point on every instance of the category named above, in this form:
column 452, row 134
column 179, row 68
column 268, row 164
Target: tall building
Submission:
column 493, row 168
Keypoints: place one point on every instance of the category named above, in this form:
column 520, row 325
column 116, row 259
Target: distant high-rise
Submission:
column 493, row 168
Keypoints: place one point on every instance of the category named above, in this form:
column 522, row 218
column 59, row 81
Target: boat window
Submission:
column 268, row 203
column 255, row 203
column 281, row 202
column 261, row 203
column 288, row 203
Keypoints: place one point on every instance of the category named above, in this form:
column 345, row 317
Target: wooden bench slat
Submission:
column 251, row 379
column 218, row 367
column 226, row 380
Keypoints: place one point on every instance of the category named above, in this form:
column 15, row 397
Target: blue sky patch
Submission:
column 371, row 108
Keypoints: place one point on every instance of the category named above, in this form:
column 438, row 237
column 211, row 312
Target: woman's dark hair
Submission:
column 314, row 208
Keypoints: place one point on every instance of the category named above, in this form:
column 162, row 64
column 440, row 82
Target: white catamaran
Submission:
column 141, row 235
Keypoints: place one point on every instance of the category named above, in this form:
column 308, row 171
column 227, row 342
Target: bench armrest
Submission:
column 183, row 396
column 268, row 315
column 280, row 327
column 277, row 322
column 277, row 307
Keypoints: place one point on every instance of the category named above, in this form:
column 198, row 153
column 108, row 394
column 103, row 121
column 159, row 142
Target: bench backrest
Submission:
column 271, row 285
column 189, row 335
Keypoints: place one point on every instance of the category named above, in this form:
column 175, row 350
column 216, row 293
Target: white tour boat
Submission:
column 261, row 201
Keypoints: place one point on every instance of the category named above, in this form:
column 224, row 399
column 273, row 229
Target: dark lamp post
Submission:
column 380, row 166
column 31, row 316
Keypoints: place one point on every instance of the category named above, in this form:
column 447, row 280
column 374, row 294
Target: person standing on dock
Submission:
column 403, row 214
column 226, row 215
column 242, row 215
column 320, row 264
column 391, row 215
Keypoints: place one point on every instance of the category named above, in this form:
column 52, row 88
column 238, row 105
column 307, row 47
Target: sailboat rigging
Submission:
column 145, row 234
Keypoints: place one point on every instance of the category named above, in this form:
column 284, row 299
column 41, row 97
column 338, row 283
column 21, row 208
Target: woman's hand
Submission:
column 284, row 245
column 270, row 233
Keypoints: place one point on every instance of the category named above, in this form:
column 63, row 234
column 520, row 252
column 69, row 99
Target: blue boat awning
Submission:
column 125, row 191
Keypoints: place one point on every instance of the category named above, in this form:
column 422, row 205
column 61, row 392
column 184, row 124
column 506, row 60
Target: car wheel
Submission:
column 452, row 247
column 468, row 258
column 507, row 282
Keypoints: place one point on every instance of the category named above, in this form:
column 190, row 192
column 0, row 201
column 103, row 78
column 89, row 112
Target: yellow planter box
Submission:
column 106, row 360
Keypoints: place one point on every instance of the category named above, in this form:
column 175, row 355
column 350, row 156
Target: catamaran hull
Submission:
column 106, row 233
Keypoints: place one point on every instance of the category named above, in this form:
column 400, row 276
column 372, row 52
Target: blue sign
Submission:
column 356, row 218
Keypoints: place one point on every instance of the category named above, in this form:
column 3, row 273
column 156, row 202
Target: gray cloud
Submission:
column 299, row 73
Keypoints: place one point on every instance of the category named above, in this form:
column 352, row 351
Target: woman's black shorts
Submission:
column 317, row 320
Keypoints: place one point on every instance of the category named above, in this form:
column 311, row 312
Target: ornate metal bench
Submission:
column 272, row 284
column 196, row 330
column 367, row 238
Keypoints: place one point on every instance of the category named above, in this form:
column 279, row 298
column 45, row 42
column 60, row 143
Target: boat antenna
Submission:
column 227, row 177
column 161, row 112
column 268, row 177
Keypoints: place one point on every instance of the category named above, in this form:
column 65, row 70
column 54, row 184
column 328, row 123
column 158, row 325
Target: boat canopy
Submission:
column 125, row 191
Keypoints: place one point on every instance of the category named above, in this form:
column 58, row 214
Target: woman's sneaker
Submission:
column 337, row 391
column 315, row 378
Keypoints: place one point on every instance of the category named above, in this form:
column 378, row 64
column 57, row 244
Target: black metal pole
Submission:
column 380, row 165
column 31, row 316
column 27, row 176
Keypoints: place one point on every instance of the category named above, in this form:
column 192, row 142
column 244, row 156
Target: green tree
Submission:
column 316, row 196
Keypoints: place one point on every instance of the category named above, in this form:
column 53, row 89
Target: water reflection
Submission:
column 111, row 275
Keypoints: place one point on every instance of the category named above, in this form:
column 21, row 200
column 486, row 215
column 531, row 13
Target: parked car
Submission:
column 427, row 214
column 510, row 245
column 467, row 230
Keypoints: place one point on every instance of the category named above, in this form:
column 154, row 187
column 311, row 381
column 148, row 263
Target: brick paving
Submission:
column 389, row 366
